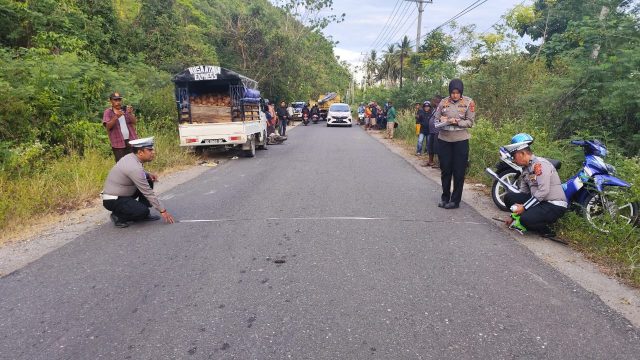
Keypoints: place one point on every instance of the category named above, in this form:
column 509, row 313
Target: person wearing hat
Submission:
column 120, row 124
column 454, row 116
column 432, row 138
column 128, row 191
column 422, row 120
column 541, row 201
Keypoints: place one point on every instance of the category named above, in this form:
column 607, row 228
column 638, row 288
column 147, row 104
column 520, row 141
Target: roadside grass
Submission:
column 619, row 249
column 72, row 182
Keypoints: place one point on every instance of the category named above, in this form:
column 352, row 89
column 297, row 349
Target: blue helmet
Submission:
column 519, row 142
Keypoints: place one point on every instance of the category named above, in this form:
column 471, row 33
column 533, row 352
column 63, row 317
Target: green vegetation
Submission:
column 59, row 60
column 578, row 80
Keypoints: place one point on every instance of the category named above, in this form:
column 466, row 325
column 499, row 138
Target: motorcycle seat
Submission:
column 556, row 163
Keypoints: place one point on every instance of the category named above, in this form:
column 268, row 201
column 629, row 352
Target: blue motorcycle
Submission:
column 594, row 190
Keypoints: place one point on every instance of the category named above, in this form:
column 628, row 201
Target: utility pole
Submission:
column 420, row 11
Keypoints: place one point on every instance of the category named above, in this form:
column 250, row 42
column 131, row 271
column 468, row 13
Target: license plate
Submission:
column 213, row 141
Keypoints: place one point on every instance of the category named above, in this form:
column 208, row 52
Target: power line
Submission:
column 500, row 19
column 385, row 40
column 385, row 24
column 393, row 21
column 406, row 29
column 465, row 11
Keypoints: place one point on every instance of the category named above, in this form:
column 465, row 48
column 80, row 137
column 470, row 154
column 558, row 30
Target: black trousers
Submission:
column 119, row 153
column 129, row 208
column 539, row 217
column 454, row 157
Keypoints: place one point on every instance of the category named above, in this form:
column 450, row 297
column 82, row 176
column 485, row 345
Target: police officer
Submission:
column 454, row 116
column 128, row 190
column 541, row 200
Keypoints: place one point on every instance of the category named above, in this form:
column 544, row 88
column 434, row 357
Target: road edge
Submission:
column 64, row 229
column 571, row 263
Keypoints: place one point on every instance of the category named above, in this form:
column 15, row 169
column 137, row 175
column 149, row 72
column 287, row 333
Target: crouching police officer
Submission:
column 541, row 200
column 128, row 191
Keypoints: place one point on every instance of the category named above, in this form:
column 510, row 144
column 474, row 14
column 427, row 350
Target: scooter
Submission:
column 315, row 118
column 594, row 190
column 360, row 118
column 305, row 119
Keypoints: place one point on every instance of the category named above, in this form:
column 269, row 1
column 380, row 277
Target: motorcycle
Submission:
column 305, row 119
column 360, row 118
column 315, row 118
column 594, row 190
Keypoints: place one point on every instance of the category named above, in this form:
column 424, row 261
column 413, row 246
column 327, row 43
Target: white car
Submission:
column 339, row 114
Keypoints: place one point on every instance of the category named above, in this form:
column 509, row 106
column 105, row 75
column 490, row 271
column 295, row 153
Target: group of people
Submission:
column 378, row 117
column 128, row 191
column 541, row 201
column 444, row 125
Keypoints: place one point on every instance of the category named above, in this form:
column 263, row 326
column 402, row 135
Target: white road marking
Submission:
column 351, row 218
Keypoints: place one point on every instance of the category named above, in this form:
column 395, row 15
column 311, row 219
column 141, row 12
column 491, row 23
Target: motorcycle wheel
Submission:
column 603, row 211
column 498, row 191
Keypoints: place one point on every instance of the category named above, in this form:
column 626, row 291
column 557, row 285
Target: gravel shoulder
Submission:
column 620, row 297
column 59, row 230
column 55, row 231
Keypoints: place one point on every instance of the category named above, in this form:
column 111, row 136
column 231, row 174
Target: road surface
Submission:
column 327, row 247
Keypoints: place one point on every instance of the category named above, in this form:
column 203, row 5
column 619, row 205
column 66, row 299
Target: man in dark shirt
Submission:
column 422, row 118
column 283, row 116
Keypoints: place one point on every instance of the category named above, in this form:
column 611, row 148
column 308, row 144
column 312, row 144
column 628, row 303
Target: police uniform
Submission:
column 541, row 195
column 128, row 191
column 453, row 144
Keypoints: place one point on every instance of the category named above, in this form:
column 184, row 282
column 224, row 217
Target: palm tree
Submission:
column 405, row 50
column 389, row 70
column 371, row 67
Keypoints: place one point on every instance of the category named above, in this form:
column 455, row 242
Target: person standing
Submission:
column 391, row 120
column 128, row 190
column 120, row 124
column 454, row 116
column 289, row 114
column 374, row 115
column 282, row 115
column 432, row 138
column 367, row 117
column 422, row 120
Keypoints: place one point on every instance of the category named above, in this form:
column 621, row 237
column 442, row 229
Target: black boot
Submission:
column 117, row 222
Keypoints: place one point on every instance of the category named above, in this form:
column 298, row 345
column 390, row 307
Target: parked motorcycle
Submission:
column 305, row 119
column 315, row 118
column 594, row 190
column 360, row 118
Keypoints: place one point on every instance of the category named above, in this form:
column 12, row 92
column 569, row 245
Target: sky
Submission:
column 365, row 20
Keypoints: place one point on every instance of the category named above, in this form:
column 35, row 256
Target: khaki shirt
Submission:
column 126, row 177
column 464, row 110
column 541, row 180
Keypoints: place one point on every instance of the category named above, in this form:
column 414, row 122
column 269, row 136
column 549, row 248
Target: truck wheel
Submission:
column 265, row 140
column 252, row 148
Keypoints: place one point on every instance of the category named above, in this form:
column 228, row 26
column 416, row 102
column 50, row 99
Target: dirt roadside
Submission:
column 55, row 231
column 59, row 230
column 618, row 296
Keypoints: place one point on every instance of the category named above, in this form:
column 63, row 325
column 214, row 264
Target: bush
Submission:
column 619, row 249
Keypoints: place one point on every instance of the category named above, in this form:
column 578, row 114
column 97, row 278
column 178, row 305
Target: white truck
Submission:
column 219, row 107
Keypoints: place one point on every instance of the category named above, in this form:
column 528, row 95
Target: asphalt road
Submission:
column 372, row 270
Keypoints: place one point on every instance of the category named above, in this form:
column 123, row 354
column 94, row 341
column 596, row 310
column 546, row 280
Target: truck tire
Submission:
column 252, row 148
column 265, row 140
